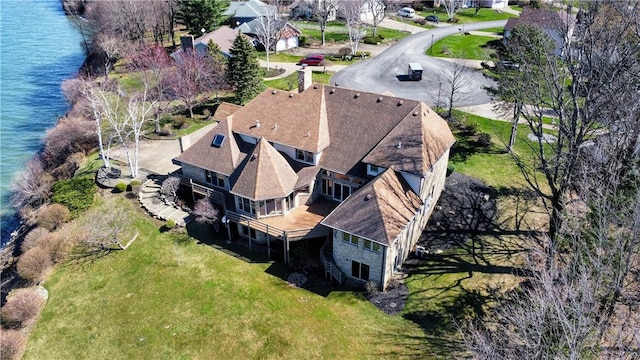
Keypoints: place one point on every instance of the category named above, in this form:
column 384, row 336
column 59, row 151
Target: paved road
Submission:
column 383, row 72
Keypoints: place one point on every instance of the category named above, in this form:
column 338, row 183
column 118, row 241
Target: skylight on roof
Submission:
column 217, row 140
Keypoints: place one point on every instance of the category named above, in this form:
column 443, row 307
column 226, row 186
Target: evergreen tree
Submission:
column 202, row 14
column 244, row 70
column 215, row 54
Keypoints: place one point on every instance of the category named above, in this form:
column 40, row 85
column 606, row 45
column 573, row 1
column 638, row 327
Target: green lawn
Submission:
column 466, row 16
column 462, row 46
column 170, row 297
column 493, row 165
column 337, row 32
column 291, row 82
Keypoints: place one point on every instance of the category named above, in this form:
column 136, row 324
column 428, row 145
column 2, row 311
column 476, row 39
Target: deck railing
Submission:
column 330, row 269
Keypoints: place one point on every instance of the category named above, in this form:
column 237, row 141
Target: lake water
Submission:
column 39, row 48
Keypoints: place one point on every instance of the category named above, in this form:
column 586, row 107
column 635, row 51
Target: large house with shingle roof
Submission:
column 360, row 172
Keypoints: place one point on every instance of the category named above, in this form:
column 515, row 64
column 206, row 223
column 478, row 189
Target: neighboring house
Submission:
column 241, row 12
column 223, row 36
column 288, row 35
column 493, row 4
column 356, row 172
column 558, row 25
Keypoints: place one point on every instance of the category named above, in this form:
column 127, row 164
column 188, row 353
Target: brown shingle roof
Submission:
column 224, row 110
column 379, row 211
column 292, row 119
column 357, row 122
column 415, row 144
column 223, row 159
column 264, row 174
column 223, row 36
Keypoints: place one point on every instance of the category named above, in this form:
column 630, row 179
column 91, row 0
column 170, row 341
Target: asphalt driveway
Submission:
column 384, row 71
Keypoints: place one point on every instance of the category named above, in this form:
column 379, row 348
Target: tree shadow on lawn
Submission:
column 466, row 235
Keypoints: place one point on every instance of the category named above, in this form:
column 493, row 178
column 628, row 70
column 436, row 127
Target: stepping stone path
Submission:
column 150, row 199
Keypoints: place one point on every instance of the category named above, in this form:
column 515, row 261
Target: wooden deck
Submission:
column 302, row 217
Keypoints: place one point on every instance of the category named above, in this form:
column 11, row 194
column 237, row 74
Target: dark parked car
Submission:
column 432, row 18
column 312, row 60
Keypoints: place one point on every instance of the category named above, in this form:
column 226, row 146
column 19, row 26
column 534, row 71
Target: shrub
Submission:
column 450, row 169
column 22, row 306
column 344, row 51
column 33, row 238
column 453, row 20
column 52, row 216
column 56, row 246
column 170, row 224
column 34, row 264
column 484, row 139
column 373, row 40
column 133, row 184
column 120, row 187
column 302, row 41
column 76, row 194
column 420, row 21
column 12, row 343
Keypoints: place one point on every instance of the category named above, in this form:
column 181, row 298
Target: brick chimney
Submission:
column 304, row 78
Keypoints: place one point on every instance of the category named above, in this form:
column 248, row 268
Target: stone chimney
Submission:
column 304, row 78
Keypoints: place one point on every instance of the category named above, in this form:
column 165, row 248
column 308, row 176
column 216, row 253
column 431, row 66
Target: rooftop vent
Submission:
column 368, row 197
column 274, row 92
column 356, row 95
column 415, row 113
column 257, row 123
column 275, row 127
column 399, row 144
column 291, row 95
column 332, row 91
column 379, row 99
column 254, row 156
column 315, row 86
column 400, row 102
column 308, row 133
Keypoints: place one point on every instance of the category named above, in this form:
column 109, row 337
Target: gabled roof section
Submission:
column 223, row 159
column 379, row 211
column 295, row 120
column 415, row 144
column 248, row 9
column 224, row 110
column 286, row 29
column 357, row 122
column 224, row 36
column 264, row 174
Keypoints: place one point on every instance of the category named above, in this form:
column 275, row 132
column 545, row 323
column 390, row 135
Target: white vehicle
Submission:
column 406, row 12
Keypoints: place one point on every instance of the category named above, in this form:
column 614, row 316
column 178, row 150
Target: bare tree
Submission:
column 352, row 11
column 111, row 48
column 456, row 83
column 325, row 11
column 137, row 113
column 452, row 7
column 193, row 75
column 31, row 186
column 69, row 136
column 268, row 29
column 206, row 212
column 105, row 109
column 106, row 226
column 152, row 64
column 170, row 187
column 379, row 10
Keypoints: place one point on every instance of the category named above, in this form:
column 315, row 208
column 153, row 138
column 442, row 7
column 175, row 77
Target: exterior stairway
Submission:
column 152, row 201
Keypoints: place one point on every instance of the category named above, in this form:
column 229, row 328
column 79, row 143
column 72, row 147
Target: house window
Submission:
column 245, row 205
column 352, row 239
column 215, row 179
column 370, row 245
column 359, row 270
column 374, row 170
column 335, row 190
column 305, row 156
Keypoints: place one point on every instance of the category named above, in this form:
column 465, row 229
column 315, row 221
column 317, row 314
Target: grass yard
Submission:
column 469, row 15
column 291, row 82
column 169, row 297
column 337, row 32
column 491, row 164
column 473, row 47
